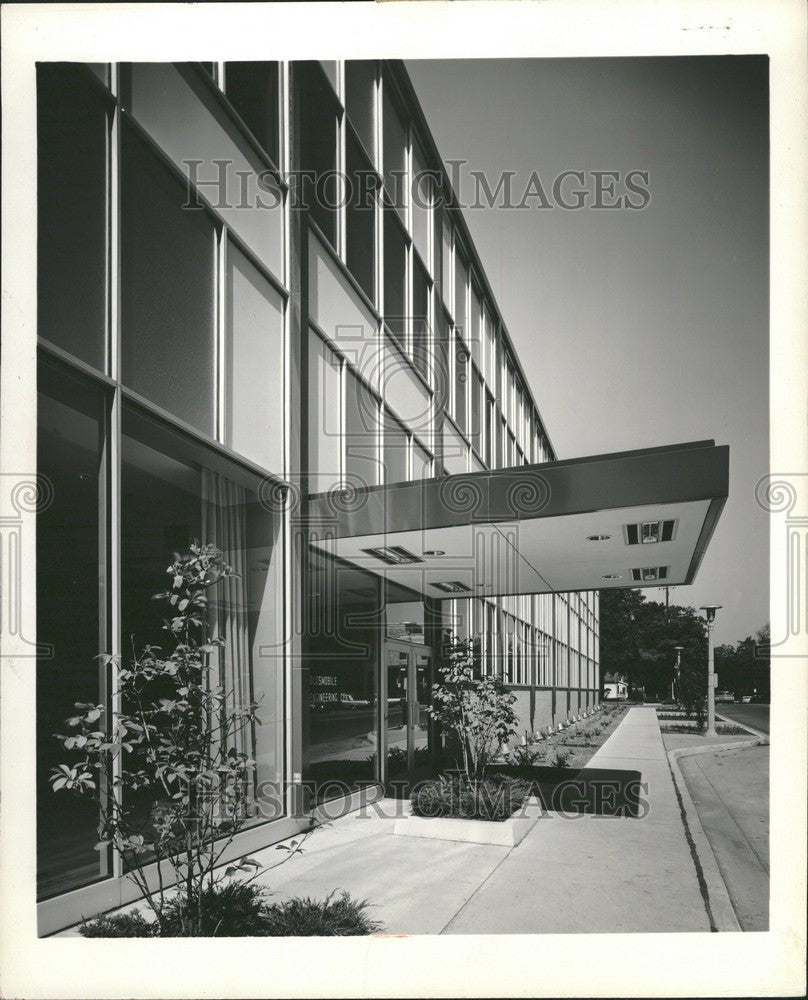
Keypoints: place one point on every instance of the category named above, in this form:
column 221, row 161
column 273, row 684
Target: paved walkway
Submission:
column 569, row 875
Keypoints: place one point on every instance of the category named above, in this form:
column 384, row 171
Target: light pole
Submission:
column 678, row 651
column 709, row 613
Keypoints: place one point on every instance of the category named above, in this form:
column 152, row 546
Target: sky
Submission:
column 634, row 328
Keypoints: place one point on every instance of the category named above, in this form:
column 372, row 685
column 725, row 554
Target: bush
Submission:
column 562, row 756
column 119, row 925
column 496, row 797
column 232, row 910
column 305, row 917
column 240, row 910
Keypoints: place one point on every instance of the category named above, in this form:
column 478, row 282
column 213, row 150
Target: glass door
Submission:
column 409, row 683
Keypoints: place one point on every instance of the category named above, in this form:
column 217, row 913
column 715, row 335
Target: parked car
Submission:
column 724, row 696
column 747, row 698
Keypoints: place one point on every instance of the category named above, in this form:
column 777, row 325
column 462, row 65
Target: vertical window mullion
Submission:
column 221, row 333
column 112, row 472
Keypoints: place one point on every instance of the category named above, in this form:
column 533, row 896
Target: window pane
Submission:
column 395, row 142
column 68, row 608
column 461, row 278
column 360, row 218
column 325, row 440
column 461, row 379
column 476, row 404
column 395, row 276
column 446, row 263
column 340, row 694
column 170, row 497
column 318, row 148
column 71, row 207
column 180, row 112
column 421, row 203
column 361, row 431
column 396, row 444
column 421, row 462
column 421, row 289
column 252, row 89
column 476, row 326
column 360, row 100
column 255, row 386
column 331, row 70
column 167, row 289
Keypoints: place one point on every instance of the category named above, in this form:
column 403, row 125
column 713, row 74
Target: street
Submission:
column 730, row 790
column 756, row 716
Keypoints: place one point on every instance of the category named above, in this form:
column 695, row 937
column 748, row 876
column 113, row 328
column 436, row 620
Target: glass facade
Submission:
column 229, row 353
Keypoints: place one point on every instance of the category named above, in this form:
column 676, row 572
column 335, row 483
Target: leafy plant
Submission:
column 475, row 711
column 562, row 756
column 494, row 798
column 305, row 917
column 174, row 744
column 239, row 910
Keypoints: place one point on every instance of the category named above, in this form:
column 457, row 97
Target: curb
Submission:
column 743, row 725
column 718, row 902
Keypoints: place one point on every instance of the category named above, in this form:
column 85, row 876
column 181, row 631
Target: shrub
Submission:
column 475, row 711
column 305, row 917
column 232, row 910
column 563, row 756
column 240, row 910
column 494, row 798
column 179, row 738
column 119, row 925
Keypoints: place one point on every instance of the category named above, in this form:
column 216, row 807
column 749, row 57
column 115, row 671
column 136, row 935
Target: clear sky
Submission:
column 635, row 328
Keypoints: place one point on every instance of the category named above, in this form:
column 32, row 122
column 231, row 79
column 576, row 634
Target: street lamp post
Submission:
column 709, row 613
column 678, row 651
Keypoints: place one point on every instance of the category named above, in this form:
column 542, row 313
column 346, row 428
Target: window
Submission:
column 361, row 217
column 395, row 276
column 476, row 327
column 360, row 100
column 173, row 493
column 446, row 262
column 461, row 380
column 71, row 207
column 477, row 402
column 340, row 697
column 421, row 288
column 395, row 157
column 68, row 608
column 325, row 438
column 461, row 280
column 421, row 203
column 253, row 90
column 318, row 148
column 254, row 370
column 421, row 461
column 167, row 289
column 361, row 431
column 490, row 429
column 396, row 447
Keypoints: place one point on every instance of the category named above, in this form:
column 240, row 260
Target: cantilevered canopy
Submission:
column 632, row 519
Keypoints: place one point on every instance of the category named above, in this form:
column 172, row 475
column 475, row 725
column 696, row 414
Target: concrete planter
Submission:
column 507, row 833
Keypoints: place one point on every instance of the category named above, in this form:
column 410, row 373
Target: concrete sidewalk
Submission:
column 569, row 875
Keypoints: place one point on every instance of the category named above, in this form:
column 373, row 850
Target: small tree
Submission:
column 476, row 711
column 691, row 689
column 176, row 738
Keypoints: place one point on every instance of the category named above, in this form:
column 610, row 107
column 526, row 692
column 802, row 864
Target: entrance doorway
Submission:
column 408, row 668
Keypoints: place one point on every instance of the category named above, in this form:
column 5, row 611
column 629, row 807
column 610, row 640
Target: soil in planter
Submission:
column 496, row 797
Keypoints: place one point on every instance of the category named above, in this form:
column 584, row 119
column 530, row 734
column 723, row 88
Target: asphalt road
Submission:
column 730, row 790
column 756, row 716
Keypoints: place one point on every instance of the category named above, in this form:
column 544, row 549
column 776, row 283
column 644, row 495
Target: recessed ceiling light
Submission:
column 434, row 552
column 598, row 538
column 611, row 576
